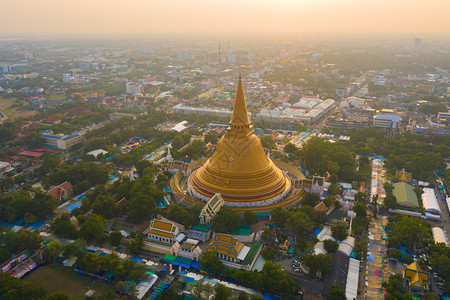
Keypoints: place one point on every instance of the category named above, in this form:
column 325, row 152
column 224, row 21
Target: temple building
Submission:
column 239, row 170
column 418, row 280
column 162, row 231
column 211, row 209
column 228, row 248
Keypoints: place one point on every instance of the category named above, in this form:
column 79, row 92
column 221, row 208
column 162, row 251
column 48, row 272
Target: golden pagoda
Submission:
column 239, row 169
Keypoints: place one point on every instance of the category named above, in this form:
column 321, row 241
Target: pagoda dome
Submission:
column 239, row 169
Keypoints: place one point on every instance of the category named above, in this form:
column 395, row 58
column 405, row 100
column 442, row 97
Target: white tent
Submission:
column 319, row 248
column 346, row 246
column 430, row 202
column 351, row 287
column 439, row 235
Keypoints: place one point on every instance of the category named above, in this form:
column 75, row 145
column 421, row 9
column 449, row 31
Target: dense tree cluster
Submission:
column 440, row 260
column 319, row 264
column 271, row 279
column 321, row 156
column 210, row 261
column 32, row 205
column 12, row 288
column 75, row 173
column 186, row 216
column 299, row 222
column 62, row 227
column 413, row 233
column 395, row 288
column 226, row 220
column 13, row 242
column 417, row 154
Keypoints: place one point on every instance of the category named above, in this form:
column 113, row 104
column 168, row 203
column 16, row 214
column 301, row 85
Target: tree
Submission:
column 12, row 288
column 311, row 199
column 267, row 141
column 54, row 248
column 334, row 189
column 394, row 253
column 178, row 142
column 395, row 288
column 339, row 231
column 335, row 292
column 142, row 165
column 280, row 216
column 222, row 292
column 135, row 245
column 105, row 206
column 92, row 229
column 290, row 148
column 330, row 245
column 360, row 197
column 320, row 263
column 329, row 200
column 198, row 289
column 209, row 260
column 226, row 220
column 268, row 253
column 360, row 209
column 250, row 218
column 89, row 262
column 390, row 201
column 211, row 138
column 115, row 237
column 62, row 227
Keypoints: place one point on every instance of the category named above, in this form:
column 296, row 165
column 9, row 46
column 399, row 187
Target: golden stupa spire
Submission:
column 240, row 115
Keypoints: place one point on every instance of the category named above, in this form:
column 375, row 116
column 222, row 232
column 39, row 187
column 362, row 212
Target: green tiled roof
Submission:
column 405, row 195
column 252, row 253
column 201, row 228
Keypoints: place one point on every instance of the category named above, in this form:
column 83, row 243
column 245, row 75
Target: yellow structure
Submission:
column 239, row 169
column 403, row 175
column 418, row 280
column 228, row 248
column 162, row 231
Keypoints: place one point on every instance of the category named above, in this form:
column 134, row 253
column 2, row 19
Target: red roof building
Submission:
column 30, row 154
column 62, row 191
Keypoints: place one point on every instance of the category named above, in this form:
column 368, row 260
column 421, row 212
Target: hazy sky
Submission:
column 226, row 17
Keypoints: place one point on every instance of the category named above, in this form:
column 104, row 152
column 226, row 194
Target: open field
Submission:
column 59, row 279
column 12, row 112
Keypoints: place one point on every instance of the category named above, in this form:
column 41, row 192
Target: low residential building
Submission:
column 62, row 191
column 200, row 232
column 185, row 110
column 5, row 168
column 162, row 231
column 190, row 249
column 211, row 209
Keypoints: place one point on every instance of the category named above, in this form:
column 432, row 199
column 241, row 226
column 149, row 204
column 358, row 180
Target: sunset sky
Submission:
column 225, row 17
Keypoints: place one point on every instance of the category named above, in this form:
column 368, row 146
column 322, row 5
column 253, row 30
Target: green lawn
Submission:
column 56, row 278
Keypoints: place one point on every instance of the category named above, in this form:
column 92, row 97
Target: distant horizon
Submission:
column 271, row 19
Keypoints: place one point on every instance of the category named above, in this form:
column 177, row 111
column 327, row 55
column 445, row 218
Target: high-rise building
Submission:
column 417, row 42
column 134, row 89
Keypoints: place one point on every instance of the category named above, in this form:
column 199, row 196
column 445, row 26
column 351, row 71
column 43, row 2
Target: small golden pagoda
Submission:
column 239, row 169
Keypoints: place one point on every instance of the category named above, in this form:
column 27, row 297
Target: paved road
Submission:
column 377, row 270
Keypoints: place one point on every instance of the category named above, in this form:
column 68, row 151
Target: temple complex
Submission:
column 239, row 170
